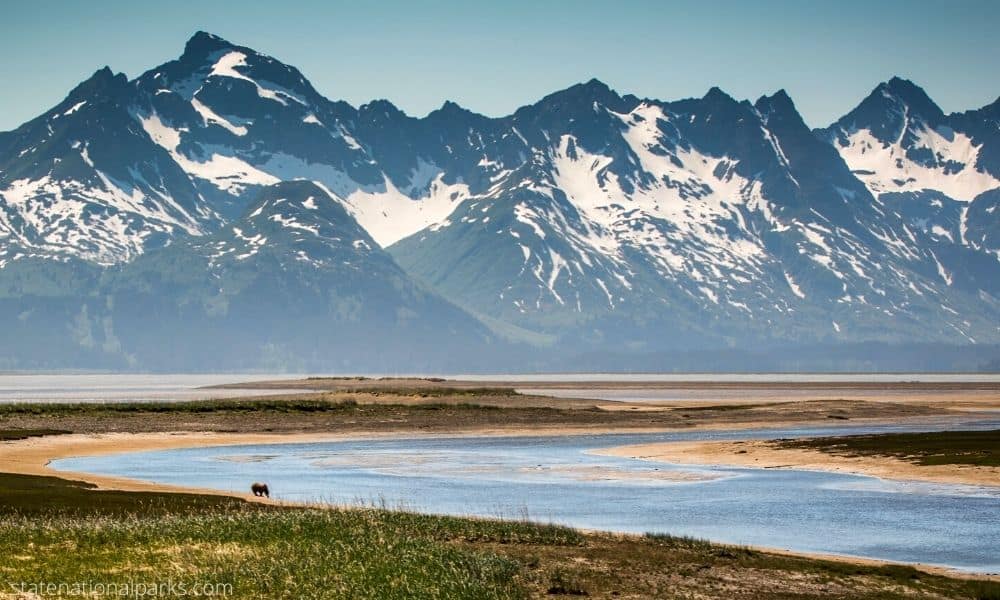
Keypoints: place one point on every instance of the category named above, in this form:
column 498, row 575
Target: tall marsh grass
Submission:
column 277, row 553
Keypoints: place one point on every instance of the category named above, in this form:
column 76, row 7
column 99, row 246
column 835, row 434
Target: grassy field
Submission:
column 979, row 448
column 53, row 530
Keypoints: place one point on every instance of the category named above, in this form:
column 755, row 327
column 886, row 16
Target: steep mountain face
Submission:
column 119, row 167
column 587, row 221
column 898, row 140
column 235, row 120
column 938, row 174
column 703, row 221
column 84, row 181
column 295, row 283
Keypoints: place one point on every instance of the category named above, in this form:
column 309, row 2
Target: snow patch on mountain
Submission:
column 98, row 222
column 690, row 196
column 211, row 118
column 889, row 167
column 74, row 108
column 794, row 286
column 228, row 173
column 389, row 215
column 226, row 65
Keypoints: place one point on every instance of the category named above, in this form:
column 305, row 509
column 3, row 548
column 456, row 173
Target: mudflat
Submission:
column 801, row 454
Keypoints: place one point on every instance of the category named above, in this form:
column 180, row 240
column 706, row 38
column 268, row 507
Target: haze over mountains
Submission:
column 218, row 212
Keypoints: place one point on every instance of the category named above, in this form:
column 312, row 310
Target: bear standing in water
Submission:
column 260, row 489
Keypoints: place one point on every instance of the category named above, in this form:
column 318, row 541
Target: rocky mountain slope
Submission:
column 586, row 222
column 294, row 283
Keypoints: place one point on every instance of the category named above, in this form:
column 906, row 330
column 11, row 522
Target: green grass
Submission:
column 193, row 407
column 726, row 407
column 298, row 553
column 33, row 496
column 255, row 405
column 53, row 530
column 436, row 392
column 978, row 448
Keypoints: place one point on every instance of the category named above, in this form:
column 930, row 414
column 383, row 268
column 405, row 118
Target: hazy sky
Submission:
column 492, row 57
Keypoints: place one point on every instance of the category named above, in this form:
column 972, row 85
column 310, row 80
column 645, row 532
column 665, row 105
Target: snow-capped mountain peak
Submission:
column 589, row 216
column 82, row 181
column 899, row 140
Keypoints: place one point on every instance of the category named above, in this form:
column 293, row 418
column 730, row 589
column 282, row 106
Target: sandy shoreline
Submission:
column 760, row 454
column 32, row 456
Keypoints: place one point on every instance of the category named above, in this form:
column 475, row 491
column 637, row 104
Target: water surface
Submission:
column 117, row 387
column 557, row 479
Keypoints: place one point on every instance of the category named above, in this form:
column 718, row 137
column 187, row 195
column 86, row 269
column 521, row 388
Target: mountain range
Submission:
column 217, row 212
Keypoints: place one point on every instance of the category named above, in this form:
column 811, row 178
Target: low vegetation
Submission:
column 417, row 409
column 978, row 448
column 53, row 530
column 10, row 435
column 257, row 405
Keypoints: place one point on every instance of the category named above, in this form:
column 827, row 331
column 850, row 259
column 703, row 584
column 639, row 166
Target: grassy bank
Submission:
column 978, row 448
column 53, row 530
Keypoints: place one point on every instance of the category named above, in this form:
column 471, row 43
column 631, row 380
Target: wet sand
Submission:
column 763, row 455
column 914, row 403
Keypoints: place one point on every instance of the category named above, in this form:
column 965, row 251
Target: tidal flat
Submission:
column 70, row 527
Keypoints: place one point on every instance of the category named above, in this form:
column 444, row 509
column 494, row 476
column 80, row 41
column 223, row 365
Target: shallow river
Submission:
column 557, row 479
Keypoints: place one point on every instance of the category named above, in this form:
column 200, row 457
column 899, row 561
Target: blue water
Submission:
column 556, row 479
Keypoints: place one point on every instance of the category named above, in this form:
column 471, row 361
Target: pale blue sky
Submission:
column 493, row 57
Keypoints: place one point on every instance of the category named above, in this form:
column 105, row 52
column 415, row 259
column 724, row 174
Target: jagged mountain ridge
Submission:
column 899, row 140
column 710, row 211
column 587, row 217
column 937, row 173
column 83, row 181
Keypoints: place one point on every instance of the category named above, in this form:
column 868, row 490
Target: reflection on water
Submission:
column 556, row 479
